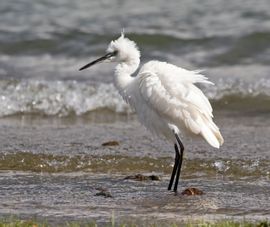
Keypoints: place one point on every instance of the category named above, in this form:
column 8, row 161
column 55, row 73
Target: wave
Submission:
column 249, row 48
column 66, row 98
column 58, row 98
column 75, row 42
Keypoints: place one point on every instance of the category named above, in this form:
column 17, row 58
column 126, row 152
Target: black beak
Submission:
column 106, row 56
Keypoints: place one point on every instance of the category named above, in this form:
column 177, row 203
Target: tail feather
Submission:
column 219, row 137
column 211, row 134
column 210, row 137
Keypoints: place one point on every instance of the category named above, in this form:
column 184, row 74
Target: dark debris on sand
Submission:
column 110, row 143
column 192, row 191
column 140, row 177
column 103, row 192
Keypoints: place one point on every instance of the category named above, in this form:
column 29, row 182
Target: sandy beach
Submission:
column 53, row 169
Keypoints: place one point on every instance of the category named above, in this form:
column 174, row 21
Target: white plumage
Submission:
column 170, row 92
column 164, row 96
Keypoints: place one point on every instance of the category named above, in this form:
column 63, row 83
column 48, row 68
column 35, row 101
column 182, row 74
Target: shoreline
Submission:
column 54, row 166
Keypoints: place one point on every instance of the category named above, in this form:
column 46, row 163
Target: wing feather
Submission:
column 171, row 92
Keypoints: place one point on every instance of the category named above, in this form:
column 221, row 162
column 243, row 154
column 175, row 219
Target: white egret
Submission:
column 164, row 97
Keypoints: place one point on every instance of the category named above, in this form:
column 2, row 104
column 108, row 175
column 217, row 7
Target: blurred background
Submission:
column 44, row 42
column 54, row 119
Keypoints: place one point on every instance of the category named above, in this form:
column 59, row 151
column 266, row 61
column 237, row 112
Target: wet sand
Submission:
column 53, row 169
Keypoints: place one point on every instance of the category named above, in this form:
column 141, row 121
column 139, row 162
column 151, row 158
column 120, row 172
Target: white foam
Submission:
column 63, row 98
column 59, row 98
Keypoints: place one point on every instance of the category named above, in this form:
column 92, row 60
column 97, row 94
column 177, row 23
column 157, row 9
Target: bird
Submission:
column 165, row 97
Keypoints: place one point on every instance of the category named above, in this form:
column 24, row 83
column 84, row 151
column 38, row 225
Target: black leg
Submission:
column 179, row 163
column 175, row 167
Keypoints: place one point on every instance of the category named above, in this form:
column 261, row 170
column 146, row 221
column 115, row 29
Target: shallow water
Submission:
column 53, row 168
column 60, row 197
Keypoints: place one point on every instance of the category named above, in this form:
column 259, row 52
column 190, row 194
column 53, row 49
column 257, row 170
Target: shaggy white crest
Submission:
column 165, row 97
column 126, row 49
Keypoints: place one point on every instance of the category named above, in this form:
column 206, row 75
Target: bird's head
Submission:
column 119, row 50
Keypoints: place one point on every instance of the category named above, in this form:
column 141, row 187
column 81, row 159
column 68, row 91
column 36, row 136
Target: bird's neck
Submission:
column 123, row 73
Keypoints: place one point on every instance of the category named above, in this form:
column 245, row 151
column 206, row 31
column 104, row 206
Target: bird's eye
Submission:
column 115, row 53
column 111, row 54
